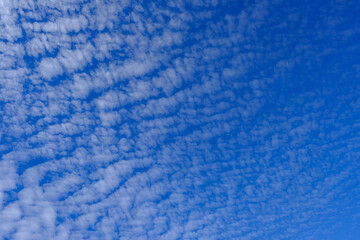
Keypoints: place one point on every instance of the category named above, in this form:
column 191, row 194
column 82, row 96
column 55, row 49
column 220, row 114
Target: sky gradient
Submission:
column 179, row 119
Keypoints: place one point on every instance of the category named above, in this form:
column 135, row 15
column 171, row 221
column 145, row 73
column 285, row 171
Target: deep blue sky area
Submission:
column 179, row 119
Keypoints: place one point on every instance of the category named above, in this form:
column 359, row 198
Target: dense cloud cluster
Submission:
column 179, row 119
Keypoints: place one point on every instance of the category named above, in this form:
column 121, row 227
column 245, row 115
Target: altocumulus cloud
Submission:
column 179, row 119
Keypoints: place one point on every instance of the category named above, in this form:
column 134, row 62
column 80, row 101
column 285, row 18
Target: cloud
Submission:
column 50, row 68
column 178, row 119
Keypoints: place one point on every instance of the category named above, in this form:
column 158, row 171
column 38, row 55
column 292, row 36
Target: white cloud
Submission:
column 8, row 179
column 50, row 68
column 73, row 60
column 177, row 120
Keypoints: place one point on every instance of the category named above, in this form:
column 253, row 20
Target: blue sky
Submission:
column 179, row 119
